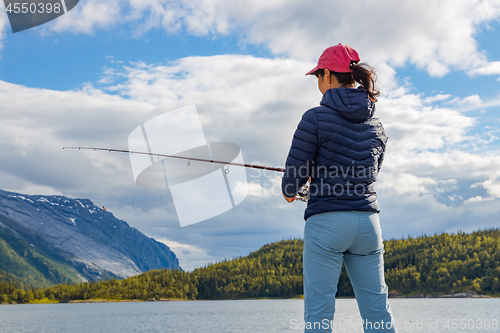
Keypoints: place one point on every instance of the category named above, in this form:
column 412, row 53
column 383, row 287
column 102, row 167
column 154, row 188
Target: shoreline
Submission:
column 457, row 295
column 299, row 297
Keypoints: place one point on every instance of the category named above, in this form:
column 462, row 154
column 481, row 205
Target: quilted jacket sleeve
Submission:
column 301, row 156
column 384, row 142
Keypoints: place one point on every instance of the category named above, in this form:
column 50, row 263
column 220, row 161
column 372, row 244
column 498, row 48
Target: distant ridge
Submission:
column 46, row 240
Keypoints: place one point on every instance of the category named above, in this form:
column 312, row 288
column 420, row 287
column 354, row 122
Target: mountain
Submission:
column 45, row 240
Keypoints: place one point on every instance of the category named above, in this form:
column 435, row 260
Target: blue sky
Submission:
column 93, row 75
column 31, row 58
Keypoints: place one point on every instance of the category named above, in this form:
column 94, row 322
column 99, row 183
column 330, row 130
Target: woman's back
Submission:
column 346, row 146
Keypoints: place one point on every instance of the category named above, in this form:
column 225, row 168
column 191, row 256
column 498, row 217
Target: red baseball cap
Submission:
column 337, row 58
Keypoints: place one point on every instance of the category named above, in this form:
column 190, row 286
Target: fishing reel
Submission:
column 303, row 194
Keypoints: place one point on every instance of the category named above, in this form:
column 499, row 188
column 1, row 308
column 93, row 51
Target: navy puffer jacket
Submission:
column 341, row 146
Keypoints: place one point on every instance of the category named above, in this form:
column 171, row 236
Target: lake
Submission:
column 245, row 316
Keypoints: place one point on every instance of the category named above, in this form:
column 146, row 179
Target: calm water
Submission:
column 412, row 315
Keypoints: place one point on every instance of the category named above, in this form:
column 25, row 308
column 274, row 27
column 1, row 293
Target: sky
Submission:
column 93, row 75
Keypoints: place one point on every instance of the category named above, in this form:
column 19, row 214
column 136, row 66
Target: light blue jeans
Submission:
column 354, row 238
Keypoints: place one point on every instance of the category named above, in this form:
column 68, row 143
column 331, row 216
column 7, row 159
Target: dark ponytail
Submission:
column 362, row 73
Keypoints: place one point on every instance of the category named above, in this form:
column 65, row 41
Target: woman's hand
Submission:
column 289, row 199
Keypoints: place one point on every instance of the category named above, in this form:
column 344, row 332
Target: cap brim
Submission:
column 312, row 70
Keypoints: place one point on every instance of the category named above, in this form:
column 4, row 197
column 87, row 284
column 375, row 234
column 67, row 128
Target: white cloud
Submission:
column 4, row 21
column 90, row 15
column 265, row 184
column 491, row 68
column 477, row 104
column 255, row 189
column 469, row 100
column 413, row 185
column 36, row 190
column 190, row 254
column 38, row 123
column 434, row 35
column 239, row 98
column 412, row 126
column 492, row 185
column 477, row 198
column 436, row 98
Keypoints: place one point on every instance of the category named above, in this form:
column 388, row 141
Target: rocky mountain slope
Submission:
column 59, row 239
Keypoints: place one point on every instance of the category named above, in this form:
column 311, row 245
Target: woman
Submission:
column 340, row 146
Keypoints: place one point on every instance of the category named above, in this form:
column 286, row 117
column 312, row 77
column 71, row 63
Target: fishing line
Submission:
column 179, row 157
column 303, row 194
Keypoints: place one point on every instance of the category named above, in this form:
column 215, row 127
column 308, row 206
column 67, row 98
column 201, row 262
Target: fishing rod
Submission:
column 181, row 157
column 303, row 194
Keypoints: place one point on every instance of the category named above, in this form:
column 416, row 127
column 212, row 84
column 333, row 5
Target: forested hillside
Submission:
column 22, row 262
column 444, row 263
column 438, row 264
column 275, row 270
